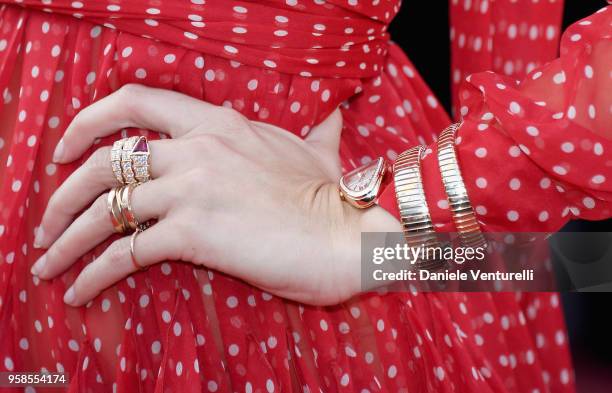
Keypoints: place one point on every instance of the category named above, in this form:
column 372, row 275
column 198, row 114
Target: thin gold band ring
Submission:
column 137, row 266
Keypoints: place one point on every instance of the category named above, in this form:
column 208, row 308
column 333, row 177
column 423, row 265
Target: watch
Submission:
column 361, row 186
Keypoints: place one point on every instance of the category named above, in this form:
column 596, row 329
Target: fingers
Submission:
column 134, row 106
column 87, row 182
column 156, row 244
column 94, row 226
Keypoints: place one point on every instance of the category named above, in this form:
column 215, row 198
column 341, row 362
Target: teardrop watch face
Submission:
column 362, row 177
column 360, row 186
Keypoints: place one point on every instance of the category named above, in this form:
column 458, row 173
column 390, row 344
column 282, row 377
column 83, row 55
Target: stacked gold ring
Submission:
column 131, row 165
column 130, row 162
column 125, row 203
column 115, row 211
column 414, row 212
column 464, row 218
column 120, row 210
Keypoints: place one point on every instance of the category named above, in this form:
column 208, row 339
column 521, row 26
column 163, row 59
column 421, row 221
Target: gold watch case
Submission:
column 360, row 187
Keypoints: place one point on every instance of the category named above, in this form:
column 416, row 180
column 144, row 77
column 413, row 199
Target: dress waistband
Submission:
column 344, row 39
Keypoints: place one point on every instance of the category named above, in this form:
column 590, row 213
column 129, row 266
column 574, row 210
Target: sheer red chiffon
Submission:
column 177, row 328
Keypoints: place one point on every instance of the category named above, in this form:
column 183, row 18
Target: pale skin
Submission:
column 245, row 198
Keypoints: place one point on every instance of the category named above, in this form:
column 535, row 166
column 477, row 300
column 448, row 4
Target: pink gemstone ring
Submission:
column 131, row 160
column 141, row 160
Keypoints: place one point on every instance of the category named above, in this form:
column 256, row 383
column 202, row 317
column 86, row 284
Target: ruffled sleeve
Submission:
column 535, row 154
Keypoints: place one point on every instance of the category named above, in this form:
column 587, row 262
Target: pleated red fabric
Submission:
column 178, row 328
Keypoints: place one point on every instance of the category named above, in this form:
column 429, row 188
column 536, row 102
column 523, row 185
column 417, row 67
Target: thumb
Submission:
column 324, row 138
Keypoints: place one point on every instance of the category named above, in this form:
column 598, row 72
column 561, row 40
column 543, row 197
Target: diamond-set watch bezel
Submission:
column 367, row 196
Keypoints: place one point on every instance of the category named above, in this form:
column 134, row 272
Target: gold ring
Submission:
column 131, row 160
column 132, row 255
column 125, row 205
column 141, row 160
column 463, row 215
column 126, row 161
column 115, row 214
column 116, row 160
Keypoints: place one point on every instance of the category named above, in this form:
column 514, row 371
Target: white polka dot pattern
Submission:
column 338, row 38
column 519, row 138
column 180, row 328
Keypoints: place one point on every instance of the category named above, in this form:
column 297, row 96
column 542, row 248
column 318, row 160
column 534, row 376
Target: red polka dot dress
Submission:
column 534, row 149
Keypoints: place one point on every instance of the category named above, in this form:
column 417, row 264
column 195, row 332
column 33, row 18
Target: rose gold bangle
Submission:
column 464, row 218
column 412, row 204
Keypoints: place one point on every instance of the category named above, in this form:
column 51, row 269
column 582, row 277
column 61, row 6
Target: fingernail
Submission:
column 58, row 154
column 69, row 296
column 38, row 239
column 39, row 265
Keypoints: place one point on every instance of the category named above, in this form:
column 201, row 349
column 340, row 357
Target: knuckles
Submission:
column 187, row 239
column 99, row 159
column 118, row 252
column 231, row 118
column 129, row 92
column 194, row 180
column 127, row 99
column 207, row 144
column 223, row 120
column 99, row 209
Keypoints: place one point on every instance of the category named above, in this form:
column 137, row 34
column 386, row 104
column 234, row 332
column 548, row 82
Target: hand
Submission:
column 245, row 198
